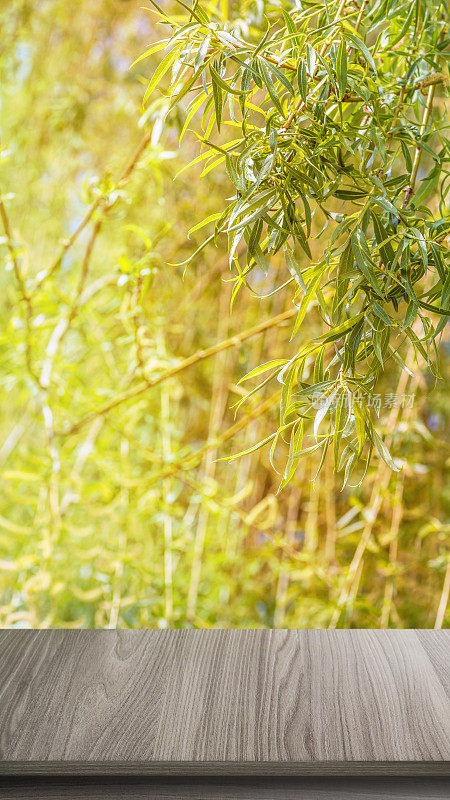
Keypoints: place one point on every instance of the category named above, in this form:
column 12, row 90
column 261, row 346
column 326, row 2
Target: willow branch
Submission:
column 300, row 104
column 418, row 153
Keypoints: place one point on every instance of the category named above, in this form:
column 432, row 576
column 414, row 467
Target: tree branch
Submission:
column 200, row 355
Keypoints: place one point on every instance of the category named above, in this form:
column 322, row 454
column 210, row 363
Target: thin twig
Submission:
column 194, row 458
column 12, row 251
column 397, row 514
column 219, row 392
column 165, row 489
column 330, row 513
column 63, row 325
column 381, row 482
column 283, row 578
column 200, row 355
column 418, row 153
column 22, row 289
column 69, row 242
column 360, row 15
column 91, row 211
column 122, row 545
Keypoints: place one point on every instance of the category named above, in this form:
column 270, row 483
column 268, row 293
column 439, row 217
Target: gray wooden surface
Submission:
column 224, row 701
column 229, row 789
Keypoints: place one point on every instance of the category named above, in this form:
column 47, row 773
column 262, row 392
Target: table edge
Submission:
column 218, row 768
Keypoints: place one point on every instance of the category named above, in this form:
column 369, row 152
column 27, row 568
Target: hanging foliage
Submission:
column 331, row 117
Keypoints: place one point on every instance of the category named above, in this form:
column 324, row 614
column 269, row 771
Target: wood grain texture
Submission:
column 228, row 789
column 437, row 645
column 224, row 701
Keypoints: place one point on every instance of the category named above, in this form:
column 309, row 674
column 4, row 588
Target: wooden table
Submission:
column 224, row 714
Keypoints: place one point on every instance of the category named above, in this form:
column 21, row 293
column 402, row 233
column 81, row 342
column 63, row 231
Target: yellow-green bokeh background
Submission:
column 130, row 521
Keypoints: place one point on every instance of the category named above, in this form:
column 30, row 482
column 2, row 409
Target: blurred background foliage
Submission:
column 128, row 519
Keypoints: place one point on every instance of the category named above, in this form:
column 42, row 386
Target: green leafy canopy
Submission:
column 334, row 112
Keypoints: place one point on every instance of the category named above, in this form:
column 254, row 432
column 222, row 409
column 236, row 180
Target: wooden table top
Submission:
column 237, row 702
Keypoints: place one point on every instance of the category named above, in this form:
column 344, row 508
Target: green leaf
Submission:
column 360, row 425
column 257, row 210
column 294, row 268
column 218, row 101
column 311, row 60
column 384, row 203
column 341, row 68
column 160, row 71
column 270, row 86
column 383, row 451
column 445, row 295
column 349, row 194
column 377, row 342
column 364, row 261
column 437, row 257
column 216, row 78
column 418, row 345
column 337, row 332
column 399, row 361
column 174, row 100
column 407, row 157
column 286, row 377
column 193, row 108
column 362, row 49
column 291, row 27
column 211, row 218
column 261, row 44
column 154, row 49
column 308, row 391
column 280, row 362
column 323, row 411
column 352, row 343
column 295, row 452
column 382, row 237
column 306, row 300
column 279, row 75
column 345, row 270
column 302, row 80
column 195, row 11
column 348, row 469
column 411, row 314
column 202, row 51
column 249, row 450
column 339, row 425
column 325, row 447
column 318, row 366
column 381, row 314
